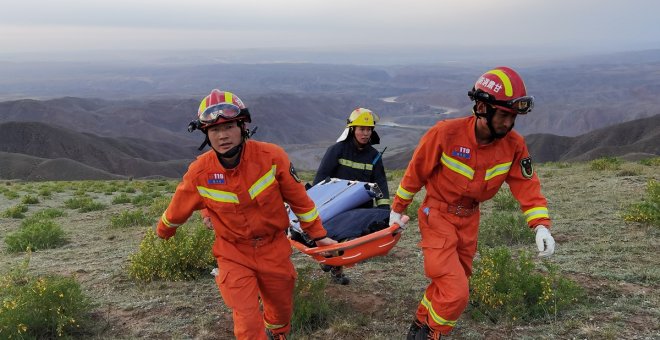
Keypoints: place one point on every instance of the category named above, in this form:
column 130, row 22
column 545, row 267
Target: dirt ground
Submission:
column 615, row 262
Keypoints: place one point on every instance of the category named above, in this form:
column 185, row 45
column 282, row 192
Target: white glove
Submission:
column 544, row 241
column 395, row 217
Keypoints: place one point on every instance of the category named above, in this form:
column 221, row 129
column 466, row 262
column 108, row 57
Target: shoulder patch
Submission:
column 526, row 167
column 293, row 173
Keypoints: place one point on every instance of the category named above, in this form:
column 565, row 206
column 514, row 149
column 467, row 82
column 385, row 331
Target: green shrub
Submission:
column 59, row 186
column 509, row 289
column 629, row 172
column 10, row 195
column 185, row 256
column 648, row 210
column 40, row 307
column 142, row 200
column 93, row 206
column 77, row 202
column 16, row 211
column 35, row 234
column 652, row 161
column 504, row 200
column 111, row 187
column 83, row 204
column 48, row 213
column 311, row 308
column 81, row 192
column 504, row 228
column 29, row 199
column 133, row 218
column 45, row 192
column 121, row 198
column 606, row 163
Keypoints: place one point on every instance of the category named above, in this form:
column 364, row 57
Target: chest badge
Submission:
column 216, row 178
column 461, row 152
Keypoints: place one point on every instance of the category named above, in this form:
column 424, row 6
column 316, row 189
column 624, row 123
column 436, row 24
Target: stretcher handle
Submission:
column 391, row 230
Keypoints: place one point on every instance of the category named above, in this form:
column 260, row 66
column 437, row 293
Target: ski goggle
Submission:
column 520, row 105
column 213, row 113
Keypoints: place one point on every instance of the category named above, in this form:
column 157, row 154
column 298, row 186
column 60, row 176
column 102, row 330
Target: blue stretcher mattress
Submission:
column 335, row 196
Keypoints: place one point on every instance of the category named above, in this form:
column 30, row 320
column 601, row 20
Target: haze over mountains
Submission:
column 131, row 121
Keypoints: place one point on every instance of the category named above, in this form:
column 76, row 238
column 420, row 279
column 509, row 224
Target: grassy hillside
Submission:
column 616, row 262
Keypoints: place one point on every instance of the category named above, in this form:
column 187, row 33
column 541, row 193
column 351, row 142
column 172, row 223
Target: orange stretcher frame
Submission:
column 357, row 250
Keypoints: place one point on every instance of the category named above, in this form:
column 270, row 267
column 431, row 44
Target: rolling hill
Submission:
column 42, row 151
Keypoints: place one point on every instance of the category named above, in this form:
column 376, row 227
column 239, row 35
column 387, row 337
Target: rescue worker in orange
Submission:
column 463, row 162
column 242, row 186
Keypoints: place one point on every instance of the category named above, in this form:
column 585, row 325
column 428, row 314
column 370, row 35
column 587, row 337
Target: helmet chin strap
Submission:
column 231, row 152
column 490, row 113
column 225, row 158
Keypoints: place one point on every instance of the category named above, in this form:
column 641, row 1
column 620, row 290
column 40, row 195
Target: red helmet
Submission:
column 220, row 107
column 502, row 87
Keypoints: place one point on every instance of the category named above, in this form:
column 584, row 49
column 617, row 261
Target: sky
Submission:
column 561, row 26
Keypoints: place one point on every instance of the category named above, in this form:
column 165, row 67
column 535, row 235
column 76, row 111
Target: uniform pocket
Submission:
column 436, row 242
column 221, row 207
column 271, row 203
column 230, row 286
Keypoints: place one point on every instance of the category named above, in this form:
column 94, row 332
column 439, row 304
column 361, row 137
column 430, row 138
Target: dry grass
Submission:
column 616, row 263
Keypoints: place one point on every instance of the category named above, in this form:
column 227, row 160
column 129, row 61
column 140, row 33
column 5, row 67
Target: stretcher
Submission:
column 356, row 250
column 332, row 197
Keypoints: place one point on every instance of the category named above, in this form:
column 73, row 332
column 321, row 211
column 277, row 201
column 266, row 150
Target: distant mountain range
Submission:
column 573, row 96
column 38, row 151
column 130, row 120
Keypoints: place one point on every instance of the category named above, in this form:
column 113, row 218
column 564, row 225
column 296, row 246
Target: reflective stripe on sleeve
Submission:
column 404, row 194
column 308, row 216
column 456, row 166
column 382, row 201
column 168, row 223
column 534, row 213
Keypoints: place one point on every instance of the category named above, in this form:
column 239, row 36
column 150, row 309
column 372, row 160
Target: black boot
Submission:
column 274, row 336
column 426, row 333
column 337, row 275
column 414, row 328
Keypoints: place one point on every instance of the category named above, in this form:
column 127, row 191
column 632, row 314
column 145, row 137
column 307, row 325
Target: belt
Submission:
column 256, row 242
column 463, row 208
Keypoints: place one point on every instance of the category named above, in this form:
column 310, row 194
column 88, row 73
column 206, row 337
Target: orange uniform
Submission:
column 246, row 206
column 458, row 173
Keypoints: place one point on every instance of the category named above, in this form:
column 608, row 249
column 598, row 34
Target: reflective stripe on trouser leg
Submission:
column 448, row 244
